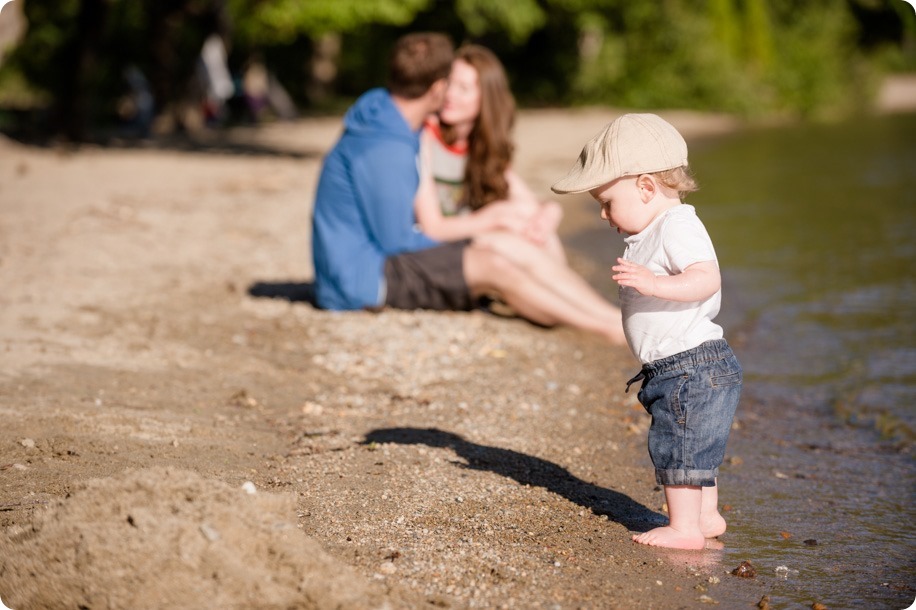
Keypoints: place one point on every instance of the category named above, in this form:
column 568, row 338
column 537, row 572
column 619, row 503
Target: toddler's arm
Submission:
column 697, row 282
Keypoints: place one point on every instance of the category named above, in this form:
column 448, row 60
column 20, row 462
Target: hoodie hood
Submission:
column 374, row 115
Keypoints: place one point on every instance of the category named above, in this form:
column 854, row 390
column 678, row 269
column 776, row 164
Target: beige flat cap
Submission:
column 631, row 145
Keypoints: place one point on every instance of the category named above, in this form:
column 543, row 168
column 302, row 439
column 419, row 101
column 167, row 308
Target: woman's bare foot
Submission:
column 671, row 538
column 712, row 525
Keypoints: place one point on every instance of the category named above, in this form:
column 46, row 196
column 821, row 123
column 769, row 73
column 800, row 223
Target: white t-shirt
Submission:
column 656, row 328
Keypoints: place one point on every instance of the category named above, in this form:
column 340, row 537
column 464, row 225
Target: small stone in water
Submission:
column 811, row 542
column 818, row 606
column 745, row 570
column 764, row 603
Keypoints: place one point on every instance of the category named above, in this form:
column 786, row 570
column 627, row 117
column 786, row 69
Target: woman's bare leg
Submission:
column 538, row 287
column 555, row 275
column 544, row 224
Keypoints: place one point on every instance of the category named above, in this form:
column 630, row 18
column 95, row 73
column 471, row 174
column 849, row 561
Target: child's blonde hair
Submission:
column 678, row 179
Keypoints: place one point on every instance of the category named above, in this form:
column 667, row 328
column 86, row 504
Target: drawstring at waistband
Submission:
column 639, row 376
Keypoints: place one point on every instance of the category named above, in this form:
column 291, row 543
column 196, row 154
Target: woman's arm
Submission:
column 492, row 217
column 503, row 215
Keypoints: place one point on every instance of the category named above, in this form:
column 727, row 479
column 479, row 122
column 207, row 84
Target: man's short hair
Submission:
column 417, row 61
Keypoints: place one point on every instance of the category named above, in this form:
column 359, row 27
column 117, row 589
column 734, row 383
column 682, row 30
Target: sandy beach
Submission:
column 171, row 440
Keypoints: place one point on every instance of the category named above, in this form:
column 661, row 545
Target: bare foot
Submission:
column 671, row 538
column 712, row 525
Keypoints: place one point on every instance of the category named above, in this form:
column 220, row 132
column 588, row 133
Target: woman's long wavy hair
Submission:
column 490, row 145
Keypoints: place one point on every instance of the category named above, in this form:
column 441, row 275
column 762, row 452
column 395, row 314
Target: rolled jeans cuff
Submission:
column 701, row 478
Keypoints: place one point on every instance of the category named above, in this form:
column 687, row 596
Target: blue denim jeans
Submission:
column 692, row 397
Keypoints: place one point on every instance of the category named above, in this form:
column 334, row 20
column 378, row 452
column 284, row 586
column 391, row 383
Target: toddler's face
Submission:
column 622, row 205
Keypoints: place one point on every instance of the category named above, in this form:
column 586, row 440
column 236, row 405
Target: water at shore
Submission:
column 814, row 230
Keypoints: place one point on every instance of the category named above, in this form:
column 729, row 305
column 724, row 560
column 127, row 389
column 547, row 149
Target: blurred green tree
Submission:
column 804, row 57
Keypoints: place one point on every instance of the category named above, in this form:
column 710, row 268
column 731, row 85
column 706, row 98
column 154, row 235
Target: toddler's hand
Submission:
column 635, row 276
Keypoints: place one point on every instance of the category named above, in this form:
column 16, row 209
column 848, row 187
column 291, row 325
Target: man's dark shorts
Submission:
column 428, row 279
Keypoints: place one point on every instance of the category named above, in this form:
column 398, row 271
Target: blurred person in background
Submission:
column 370, row 253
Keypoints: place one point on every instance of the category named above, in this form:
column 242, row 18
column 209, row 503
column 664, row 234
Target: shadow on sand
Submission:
column 294, row 292
column 528, row 470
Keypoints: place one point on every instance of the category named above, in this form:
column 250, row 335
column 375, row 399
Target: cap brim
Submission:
column 575, row 182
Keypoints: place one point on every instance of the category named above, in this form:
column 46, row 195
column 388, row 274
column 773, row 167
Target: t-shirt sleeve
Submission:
column 686, row 242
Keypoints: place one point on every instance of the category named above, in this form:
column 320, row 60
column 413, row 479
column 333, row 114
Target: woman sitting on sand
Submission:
column 469, row 191
column 468, row 186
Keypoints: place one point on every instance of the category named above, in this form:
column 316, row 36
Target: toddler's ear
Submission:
column 647, row 187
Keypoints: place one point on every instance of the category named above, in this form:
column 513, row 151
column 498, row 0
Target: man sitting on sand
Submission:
column 369, row 253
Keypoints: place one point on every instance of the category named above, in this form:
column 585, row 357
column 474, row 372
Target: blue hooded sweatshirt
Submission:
column 364, row 204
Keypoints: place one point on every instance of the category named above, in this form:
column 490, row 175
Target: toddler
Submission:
column 670, row 291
